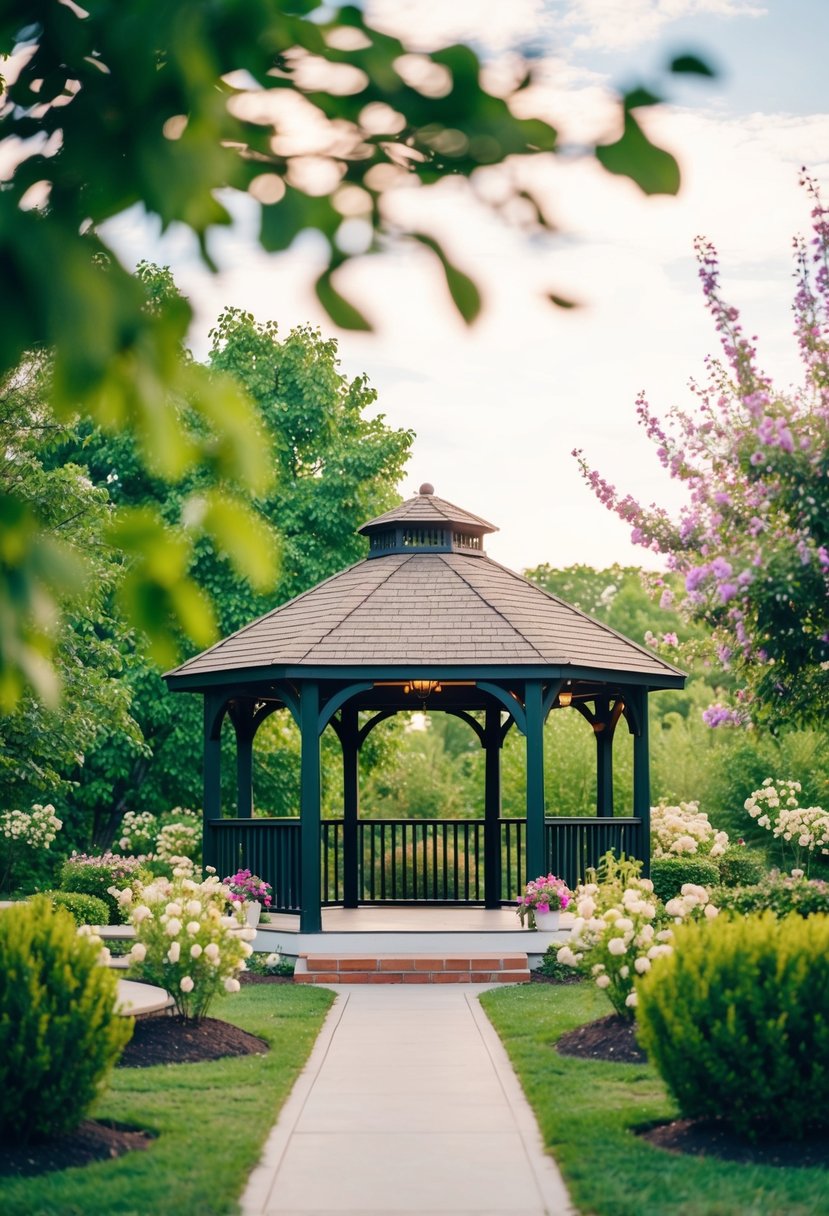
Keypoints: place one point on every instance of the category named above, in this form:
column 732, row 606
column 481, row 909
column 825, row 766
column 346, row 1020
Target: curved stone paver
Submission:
column 134, row 999
column 407, row 1105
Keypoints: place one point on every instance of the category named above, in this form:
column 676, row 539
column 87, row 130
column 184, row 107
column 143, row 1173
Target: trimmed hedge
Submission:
column 778, row 893
column 741, row 867
column 668, row 874
column 85, row 879
column 84, row 909
column 59, row 1032
column 735, row 1021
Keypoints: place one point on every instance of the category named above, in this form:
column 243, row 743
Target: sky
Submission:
column 498, row 408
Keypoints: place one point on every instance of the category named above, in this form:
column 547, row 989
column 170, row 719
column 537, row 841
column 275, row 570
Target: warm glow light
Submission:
column 422, row 688
column 565, row 697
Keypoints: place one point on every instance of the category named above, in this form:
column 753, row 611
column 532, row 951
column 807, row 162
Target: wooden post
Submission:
column 492, row 808
column 310, row 920
column 349, row 738
column 536, row 842
column 212, row 793
column 641, row 777
column 604, row 759
column 243, row 725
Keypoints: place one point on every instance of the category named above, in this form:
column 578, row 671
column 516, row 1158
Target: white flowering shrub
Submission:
column 801, row 832
column 621, row 927
column 684, row 830
column 23, row 834
column 185, row 941
column 138, row 832
column 177, row 840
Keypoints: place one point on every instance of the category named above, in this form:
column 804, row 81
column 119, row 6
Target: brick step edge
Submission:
column 516, row 976
column 344, row 963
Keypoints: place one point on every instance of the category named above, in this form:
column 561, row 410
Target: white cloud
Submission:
column 612, row 25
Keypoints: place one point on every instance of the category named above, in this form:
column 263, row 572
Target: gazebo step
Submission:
column 412, row 969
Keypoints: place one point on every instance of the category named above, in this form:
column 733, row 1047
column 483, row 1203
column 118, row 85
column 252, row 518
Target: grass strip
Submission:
column 211, row 1120
column 586, row 1111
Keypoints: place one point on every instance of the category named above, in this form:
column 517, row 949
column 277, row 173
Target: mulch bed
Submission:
column 90, row 1141
column 166, row 1040
column 157, row 1039
column 610, row 1038
column 538, row 977
column 709, row 1138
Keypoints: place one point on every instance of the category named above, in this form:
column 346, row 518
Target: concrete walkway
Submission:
column 407, row 1105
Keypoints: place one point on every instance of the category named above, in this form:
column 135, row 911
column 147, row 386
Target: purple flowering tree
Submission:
column 752, row 541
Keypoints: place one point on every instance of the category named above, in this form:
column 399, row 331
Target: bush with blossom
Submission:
column 138, row 832
column 547, row 893
column 23, row 834
column 163, row 838
column 244, row 887
column 621, row 927
column 185, row 940
column 802, row 832
column 94, row 874
column 685, row 830
column 752, row 541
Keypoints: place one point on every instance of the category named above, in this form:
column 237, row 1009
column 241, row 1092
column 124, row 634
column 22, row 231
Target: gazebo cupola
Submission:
column 426, row 524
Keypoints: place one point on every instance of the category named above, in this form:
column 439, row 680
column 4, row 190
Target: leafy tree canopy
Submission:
column 752, row 544
column 162, row 105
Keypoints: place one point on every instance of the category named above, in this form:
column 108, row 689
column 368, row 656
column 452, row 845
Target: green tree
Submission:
column 159, row 105
column 336, row 467
column 41, row 744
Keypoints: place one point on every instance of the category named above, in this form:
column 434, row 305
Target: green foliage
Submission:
column 669, row 873
column 59, row 1032
column 782, row 894
column 554, row 970
column 84, row 909
column 735, row 1021
column 608, row 1169
column 741, row 867
column 42, row 737
column 335, row 468
column 110, row 107
column 93, row 876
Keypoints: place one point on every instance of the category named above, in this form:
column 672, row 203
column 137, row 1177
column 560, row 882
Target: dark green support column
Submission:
column 536, row 843
column 243, row 724
column 492, row 809
column 604, row 759
column 350, row 740
column 642, row 776
column 212, row 797
column 310, row 920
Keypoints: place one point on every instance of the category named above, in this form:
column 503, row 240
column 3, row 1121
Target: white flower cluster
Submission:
column 104, row 954
column 684, row 830
column 138, row 830
column 618, row 933
column 614, row 937
column 185, row 941
column 776, row 807
column 691, row 901
column 176, row 840
column 37, row 827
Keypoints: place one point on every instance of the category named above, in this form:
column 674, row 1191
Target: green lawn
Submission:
column 586, row 1111
column 211, row 1120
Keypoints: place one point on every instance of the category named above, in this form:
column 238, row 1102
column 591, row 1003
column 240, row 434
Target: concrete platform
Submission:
column 407, row 1105
column 134, row 998
column 410, row 930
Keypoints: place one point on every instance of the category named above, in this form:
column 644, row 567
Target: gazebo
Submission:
column 426, row 620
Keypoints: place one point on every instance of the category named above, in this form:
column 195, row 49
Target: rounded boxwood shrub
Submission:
column 59, row 1032
column 778, row 893
column 740, row 867
column 735, row 1021
column 95, row 875
column 669, row 874
column 84, row 909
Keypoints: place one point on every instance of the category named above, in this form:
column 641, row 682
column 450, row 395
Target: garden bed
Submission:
column 169, row 1040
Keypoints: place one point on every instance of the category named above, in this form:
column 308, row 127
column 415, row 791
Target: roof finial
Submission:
column 426, row 488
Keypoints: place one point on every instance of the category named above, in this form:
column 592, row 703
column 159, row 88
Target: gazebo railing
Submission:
column 414, row 861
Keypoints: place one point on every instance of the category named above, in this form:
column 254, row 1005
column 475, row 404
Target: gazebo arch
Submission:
column 426, row 618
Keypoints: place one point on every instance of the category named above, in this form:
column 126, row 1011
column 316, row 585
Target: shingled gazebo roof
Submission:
column 426, row 596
